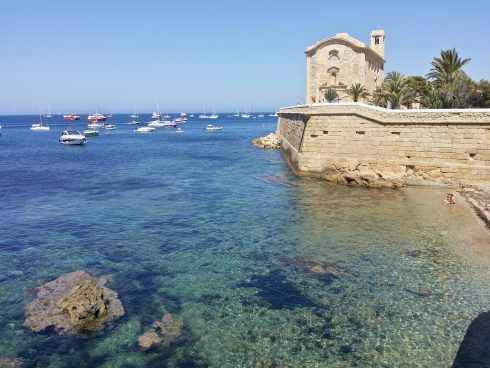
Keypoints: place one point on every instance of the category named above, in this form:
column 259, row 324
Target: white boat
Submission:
column 274, row 115
column 156, row 123
column 41, row 127
column 91, row 132
column 213, row 116
column 237, row 114
column 245, row 116
column 183, row 114
column 110, row 127
column 134, row 122
column 134, row 114
column 49, row 112
column 72, row 137
column 211, row 128
column 260, row 115
column 155, row 115
column 204, row 116
column 169, row 124
column 179, row 120
column 144, row 129
column 178, row 130
column 96, row 125
column 191, row 116
column 166, row 116
column 0, row 130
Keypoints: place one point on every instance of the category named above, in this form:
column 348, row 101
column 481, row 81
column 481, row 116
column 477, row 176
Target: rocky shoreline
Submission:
column 270, row 141
column 479, row 200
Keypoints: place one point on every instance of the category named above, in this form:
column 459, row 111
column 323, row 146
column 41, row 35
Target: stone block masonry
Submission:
column 367, row 145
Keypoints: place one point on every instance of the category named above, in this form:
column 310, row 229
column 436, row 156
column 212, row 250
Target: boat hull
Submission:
column 73, row 141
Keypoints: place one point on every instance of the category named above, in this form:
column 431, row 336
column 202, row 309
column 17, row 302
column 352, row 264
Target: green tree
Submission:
column 379, row 98
column 357, row 90
column 483, row 91
column 330, row 95
column 447, row 68
column 433, row 99
column 396, row 90
column 419, row 86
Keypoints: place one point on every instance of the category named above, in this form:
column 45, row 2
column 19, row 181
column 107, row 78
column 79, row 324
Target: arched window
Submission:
column 334, row 59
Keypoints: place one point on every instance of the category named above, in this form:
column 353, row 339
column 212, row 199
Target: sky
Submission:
column 110, row 55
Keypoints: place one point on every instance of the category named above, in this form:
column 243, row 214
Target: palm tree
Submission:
column 330, row 95
column 396, row 91
column 357, row 90
column 447, row 68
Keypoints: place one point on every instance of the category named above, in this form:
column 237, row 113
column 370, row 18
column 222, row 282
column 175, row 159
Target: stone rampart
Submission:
column 363, row 144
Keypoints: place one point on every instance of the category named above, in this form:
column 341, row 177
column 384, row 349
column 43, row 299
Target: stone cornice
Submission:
column 386, row 116
column 344, row 38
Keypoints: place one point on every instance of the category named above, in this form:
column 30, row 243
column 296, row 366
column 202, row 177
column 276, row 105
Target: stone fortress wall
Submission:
column 368, row 145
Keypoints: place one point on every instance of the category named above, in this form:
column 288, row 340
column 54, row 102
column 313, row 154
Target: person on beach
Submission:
column 450, row 199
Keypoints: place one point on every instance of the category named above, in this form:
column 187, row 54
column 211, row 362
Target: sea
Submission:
column 209, row 228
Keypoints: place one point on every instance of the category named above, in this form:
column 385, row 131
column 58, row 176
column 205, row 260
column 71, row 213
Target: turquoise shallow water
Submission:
column 170, row 218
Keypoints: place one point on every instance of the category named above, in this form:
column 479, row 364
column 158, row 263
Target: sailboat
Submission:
column 204, row 116
column 42, row 126
column 49, row 112
column 237, row 113
column 134, row 114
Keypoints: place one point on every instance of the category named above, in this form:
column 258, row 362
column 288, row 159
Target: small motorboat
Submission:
column 144, row 129
column 72, row 137
column 211, row 127
column 156, row 123
column 110, row 127
column 95, row 125
column 178, row 130
column 134, row 122
column 71, row 117
column 91, row 132
column 179, row 120
column 169, row 124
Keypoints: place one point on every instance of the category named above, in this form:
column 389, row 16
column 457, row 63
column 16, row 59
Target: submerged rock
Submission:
column 474, row 351
column 419, row 290
column 413, row 252
column 270, row 141
column 11, row 363
column 75, row 302
column 320, row 269
column 162, row 333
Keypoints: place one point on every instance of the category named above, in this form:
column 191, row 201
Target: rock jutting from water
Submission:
column 162, row 333
column 74, row 302
column 474, row 351
column 270, row 141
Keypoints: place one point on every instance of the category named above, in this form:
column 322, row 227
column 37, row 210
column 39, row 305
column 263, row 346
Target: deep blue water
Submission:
column 171, row 218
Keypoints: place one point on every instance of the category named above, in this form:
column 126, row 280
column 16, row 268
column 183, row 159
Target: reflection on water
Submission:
column 185, row 226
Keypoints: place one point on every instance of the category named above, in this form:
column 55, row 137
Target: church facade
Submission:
column 340, row 61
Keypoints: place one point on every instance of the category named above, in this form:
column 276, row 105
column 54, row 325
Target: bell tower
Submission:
column 378, row 42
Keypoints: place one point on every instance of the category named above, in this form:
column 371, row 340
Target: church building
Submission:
column 340, row 61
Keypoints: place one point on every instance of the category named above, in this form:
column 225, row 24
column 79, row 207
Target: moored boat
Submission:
column 110, row 127
column 96, row 125
column 41, row 127
column 134, row 122
column 91, row 132
column 96, row 117
column 144, row 129
column 72, row 137
column 71, row 117
column 211, row 127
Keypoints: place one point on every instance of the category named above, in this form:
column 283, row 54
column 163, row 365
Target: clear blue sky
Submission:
column 77, row 55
